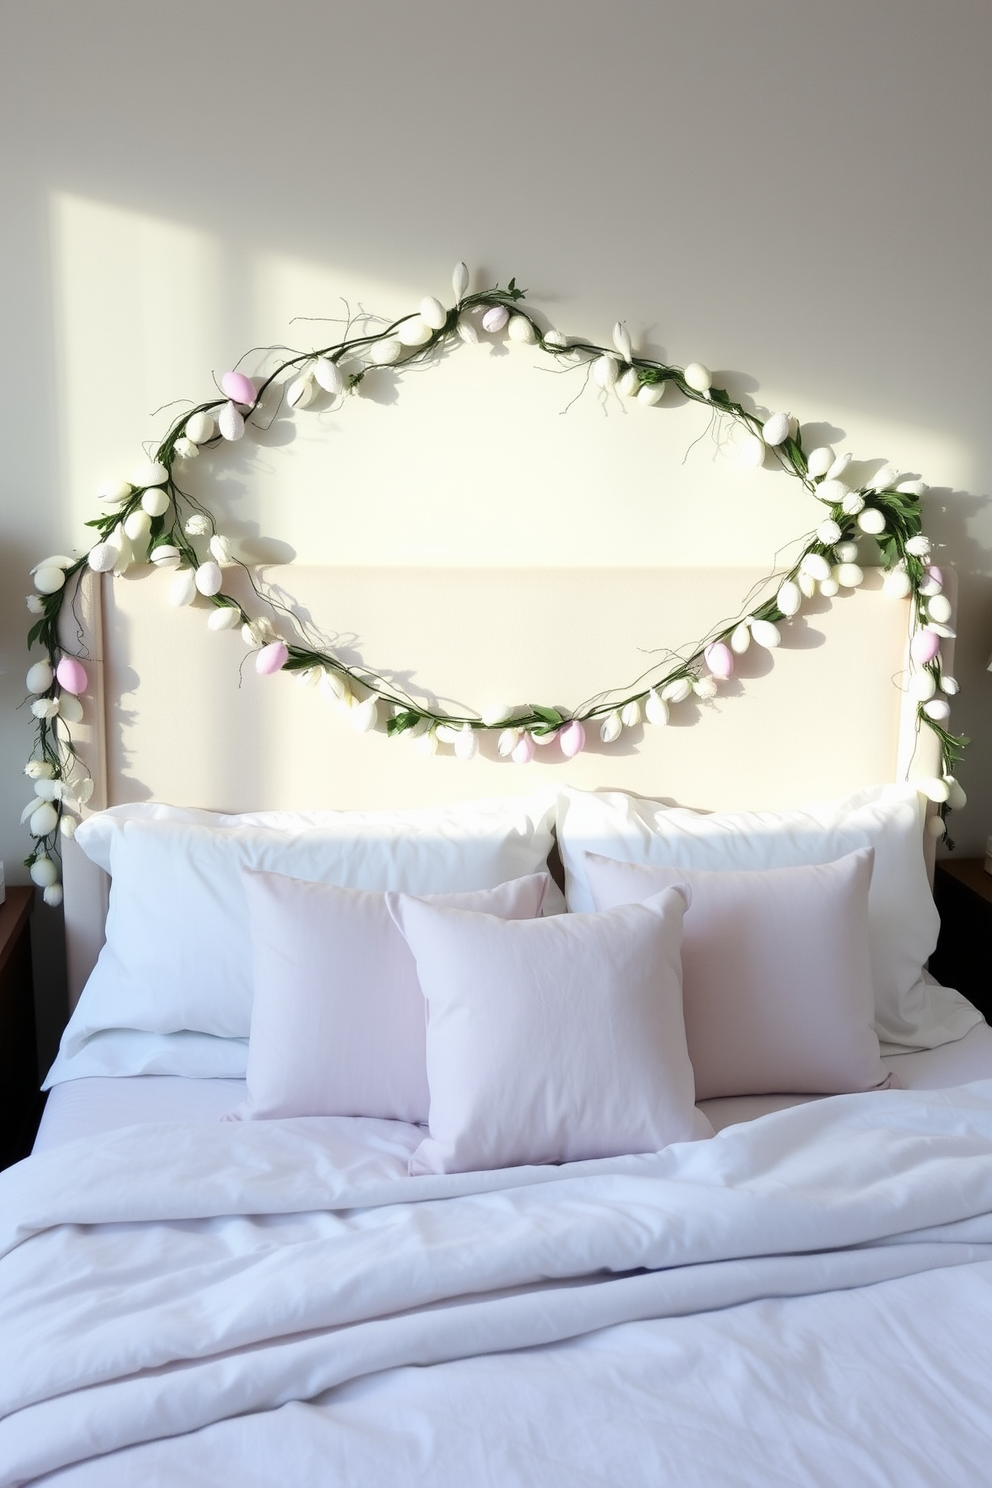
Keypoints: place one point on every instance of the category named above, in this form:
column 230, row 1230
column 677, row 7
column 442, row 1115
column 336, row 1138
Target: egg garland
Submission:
column 154, row 520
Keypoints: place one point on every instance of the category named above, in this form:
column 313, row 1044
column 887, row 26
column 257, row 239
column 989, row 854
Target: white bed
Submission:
column 804, row 1298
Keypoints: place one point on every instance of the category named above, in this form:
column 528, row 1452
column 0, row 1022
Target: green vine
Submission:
column 153, row 518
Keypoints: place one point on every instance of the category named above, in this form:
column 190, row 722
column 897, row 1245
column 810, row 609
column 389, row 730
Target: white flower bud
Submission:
column 186, row 449
column 45, row 708
column 677, row 691
column 611, row 728
column 138, row 526
column 221, row 550
column 467, row 743
column 897, row 584
column 67, row 826
column 956, row 797
column 630, row 713
column 460, row 280
column 467, row 331
column 301, row 391
column 36, row 769
column 656, row 710
column 35, row 604
column 507, row 742
column 629, row 384
column 115, row 492
column 622, row 341
column 182, row 589
column 365, row 715
column 839, row 466
column 884, row 479
column 918, row 546
column 705, row 688
column 949, row 685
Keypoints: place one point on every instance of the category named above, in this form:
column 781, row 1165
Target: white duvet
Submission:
column 803, row 1299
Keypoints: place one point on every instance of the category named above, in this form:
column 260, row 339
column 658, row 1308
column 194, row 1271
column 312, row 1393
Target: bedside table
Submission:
column 962, row 891
column 20, row 1099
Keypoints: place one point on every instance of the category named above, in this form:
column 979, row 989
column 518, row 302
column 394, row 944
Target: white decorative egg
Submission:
column 698, row 377
column 329, row 375
column 230, row 422
column 49, row 578
column 226, row 617
column 775, row 430
column 519, row 329
column 43, row 820
column 433, row 313
column 656, row 710
column 182, row 589
column 651, row 393
column 956, row 799
column 384, row 353
column 789, row 598
column 897, row 584
column 831, row 491
column 829, row 587
column 819, row 461
column 495, row 318
column 151, row 473
column 934, row 789
column 466, row 330
column 816, row 565
column 415, row 331
column 677, row 691
column 847, row 552
column 884, row 479
column 507, row 741
column 853, row 503
column 114, row 492
column 913, row 487
column 495, row 713
column 40, row 677
column 741, row 638
column 605, row 370
column 200, row 427
column 137, row 526
column 101, row 559
column 70, row 708
column 208, row 578
column 872, row 520
column 766, row 634
column 829, row 532
column 807, row 584
column 922, row 686
column 849, row 575
column 164, row 555
column 939, row 608
column 629, row 384
column 937, row 709
column 949, row 685
column 221, row 550
column 44, row 871
column 523, row 751
column 155, row 502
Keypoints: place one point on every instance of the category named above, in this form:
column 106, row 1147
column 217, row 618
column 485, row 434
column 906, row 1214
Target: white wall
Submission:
column 794, row 193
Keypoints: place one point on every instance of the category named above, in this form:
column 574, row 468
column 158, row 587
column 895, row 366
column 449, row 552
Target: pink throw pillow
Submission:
column 551, row 1040
column 338, row 1024
column 777, row 988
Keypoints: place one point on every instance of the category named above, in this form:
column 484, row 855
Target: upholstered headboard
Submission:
column 178, row 713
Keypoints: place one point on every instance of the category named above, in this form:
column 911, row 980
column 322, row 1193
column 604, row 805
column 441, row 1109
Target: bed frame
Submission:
column 177, row 713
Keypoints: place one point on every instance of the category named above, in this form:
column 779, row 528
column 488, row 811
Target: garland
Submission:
column 153, row 519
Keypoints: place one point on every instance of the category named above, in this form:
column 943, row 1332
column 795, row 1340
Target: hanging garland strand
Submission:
column 154, row 519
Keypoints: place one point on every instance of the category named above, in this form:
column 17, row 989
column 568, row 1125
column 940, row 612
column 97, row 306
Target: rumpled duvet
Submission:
column 174, row 1279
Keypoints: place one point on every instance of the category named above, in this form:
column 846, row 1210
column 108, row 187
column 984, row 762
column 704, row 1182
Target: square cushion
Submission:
column 551, row 1040
column 776, row 976
column 339, row 1025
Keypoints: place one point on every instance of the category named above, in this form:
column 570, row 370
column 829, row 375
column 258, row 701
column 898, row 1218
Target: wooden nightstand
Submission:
column 20, row 1099
column 962, row 891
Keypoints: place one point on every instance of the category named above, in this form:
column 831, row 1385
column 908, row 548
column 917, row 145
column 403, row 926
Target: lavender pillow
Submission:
column 777, row 988
column 338, row 1024
column 551, row 1040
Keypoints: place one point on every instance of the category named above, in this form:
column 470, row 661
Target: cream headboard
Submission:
column 178, row 713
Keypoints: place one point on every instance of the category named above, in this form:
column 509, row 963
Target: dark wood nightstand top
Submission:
column 14, row 913
column 969, row 871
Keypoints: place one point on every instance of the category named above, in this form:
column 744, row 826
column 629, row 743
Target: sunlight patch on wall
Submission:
column 136, row 310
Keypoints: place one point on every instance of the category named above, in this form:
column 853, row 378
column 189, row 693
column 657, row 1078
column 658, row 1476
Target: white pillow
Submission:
column 178, row 945
column 903, row 923
column 551, row 1040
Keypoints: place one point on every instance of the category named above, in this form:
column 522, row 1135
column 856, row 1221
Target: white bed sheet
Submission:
column 83, row 1108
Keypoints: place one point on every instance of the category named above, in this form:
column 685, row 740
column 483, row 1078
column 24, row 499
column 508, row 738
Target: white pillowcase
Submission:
column 551, row 1040
column 178, row 953
column 339, row 1025
column 776, row 980
column 903, row 923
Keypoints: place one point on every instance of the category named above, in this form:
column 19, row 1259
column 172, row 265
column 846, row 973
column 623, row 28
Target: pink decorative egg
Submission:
column 720, row 660
column 238, row 387
column 71, row 675
column 572, row 739
column 271, row 658
column 523, row 750
column 924, row 646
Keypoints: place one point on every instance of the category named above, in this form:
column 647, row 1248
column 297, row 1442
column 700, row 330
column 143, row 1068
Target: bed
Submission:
column 435, row 1120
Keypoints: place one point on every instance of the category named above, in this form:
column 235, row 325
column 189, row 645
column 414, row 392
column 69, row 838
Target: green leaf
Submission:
column 36, row 630
column 400, row 722
column 550, row 716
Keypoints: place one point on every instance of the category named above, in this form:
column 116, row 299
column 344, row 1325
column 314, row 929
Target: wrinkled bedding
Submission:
column 278, row 1302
